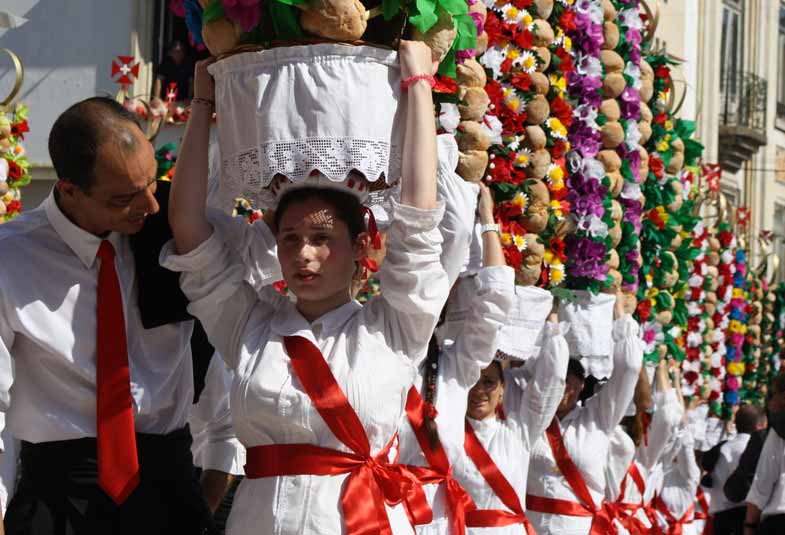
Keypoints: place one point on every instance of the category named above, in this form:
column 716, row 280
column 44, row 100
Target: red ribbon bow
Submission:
column 458, row 500
column 372, row 482
column 675, row 525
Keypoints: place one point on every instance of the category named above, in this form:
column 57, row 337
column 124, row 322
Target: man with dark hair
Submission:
column 766, row 498
column 99, row 397
column 729, row 515
column 176, row 69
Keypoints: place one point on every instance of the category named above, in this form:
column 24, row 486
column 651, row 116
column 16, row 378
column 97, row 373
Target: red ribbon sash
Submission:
column 675, row 525
column 372, row 482
column 458, row 500
column 602, row 522
column 708, row 526
column 626, row 512
column 488, row 518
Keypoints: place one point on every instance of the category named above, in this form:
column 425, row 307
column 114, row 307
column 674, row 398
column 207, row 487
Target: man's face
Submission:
column 122, row 195
column 572, row 391
column 177, row 54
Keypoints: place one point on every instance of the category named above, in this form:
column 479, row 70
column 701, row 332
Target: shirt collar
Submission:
column 82, row 243
column 293, row 323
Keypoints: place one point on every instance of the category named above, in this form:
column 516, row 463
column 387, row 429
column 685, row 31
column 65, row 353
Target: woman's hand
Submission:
column 415, row 58
column 485, row 205
column 204, row 85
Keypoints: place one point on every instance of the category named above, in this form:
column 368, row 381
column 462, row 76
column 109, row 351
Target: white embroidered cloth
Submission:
column 591, row 322
column 521, row 337
column 292, row 110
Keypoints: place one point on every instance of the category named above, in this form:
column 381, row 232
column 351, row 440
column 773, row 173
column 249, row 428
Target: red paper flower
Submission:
column 19, row 129
column 663, row 71
column 567, row 21
column 524, row 39
column 522, row 81
column 660, row 118
column 445, row 85
column 513, row 257
column 558, row 149
column 14, row 171
column 562, row 111
column 13, row 207
column 656, row 166
column 644, row 310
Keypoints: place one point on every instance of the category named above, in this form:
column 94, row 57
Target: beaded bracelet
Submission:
column 204, row 101
column 416, row 78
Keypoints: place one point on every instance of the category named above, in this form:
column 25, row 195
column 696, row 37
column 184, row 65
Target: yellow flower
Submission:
column 664, row 216
column 734, row 326
column 506, row 239
column 521, row 201
column 526, row 19
column 669, row 126
column 559, row 82
column 514, row 103
column 567, row 43
column 555, row 174
column 738, row 293
column 556, row 208
column 662, row 146
column 520, row 243
column 523, row 158
column 513, row 53
column 511, row 14
column 528, row 62
column 736, row 368
column 556, row 274
column 8, row 197
column 558, row 130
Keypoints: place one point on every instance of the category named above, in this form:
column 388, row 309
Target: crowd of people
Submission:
column 400, row 415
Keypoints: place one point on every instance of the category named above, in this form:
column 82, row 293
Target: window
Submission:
column 778, row 238
column 731, row 45
column 781, row 64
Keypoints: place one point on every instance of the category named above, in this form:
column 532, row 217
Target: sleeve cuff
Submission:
column 624, row 327
column 195, row 260
column 417, row 219
column 227, row 456
column 499, row 278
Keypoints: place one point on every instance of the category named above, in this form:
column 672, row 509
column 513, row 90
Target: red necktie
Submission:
column 118, row 466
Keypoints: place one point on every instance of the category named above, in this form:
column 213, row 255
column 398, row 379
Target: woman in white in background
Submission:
column 489, row 295
column 636, row 449
column 577, row 442
column 674, row 504
column 320, row 383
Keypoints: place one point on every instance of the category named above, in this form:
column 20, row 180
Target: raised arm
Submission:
column 187, row 215
column 532, row 404
column 418, row 188
column 667, row 416
column 608, row 407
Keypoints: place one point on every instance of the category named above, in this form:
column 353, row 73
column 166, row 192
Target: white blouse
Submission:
column 529, row 408
column 585, row 431
column 681, row 476
column 372, row 350
column 768, row 488
column 461, row 363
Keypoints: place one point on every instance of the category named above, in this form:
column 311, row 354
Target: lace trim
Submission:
column 254, row 169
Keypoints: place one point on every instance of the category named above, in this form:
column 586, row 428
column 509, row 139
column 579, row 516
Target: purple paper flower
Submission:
column 247, row 13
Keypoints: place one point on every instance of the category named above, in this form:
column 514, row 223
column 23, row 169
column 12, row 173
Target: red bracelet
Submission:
column 416, row 78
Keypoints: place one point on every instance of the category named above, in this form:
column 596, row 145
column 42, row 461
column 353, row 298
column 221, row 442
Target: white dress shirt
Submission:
column 728, row 461
column 48, row 293
column 585, row 431
column 681, row 477
column 768, row 488
column 215, row 446
column 372, row 350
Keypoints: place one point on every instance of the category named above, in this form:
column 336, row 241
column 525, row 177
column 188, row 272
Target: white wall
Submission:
column 67, row 47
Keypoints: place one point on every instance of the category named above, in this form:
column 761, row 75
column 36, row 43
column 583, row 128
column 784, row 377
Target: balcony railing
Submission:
column 744, row 101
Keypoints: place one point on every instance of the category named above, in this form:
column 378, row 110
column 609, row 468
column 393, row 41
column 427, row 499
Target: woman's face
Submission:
column 316, row 253
column 486, row 394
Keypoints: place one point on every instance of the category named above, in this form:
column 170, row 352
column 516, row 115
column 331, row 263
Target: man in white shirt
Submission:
column 728, row 515
column 99, row 399
column 766, row 499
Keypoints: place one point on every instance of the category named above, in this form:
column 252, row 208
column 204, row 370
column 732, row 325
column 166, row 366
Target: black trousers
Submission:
column 730, row 522
column 772, row 525
column 58, row 492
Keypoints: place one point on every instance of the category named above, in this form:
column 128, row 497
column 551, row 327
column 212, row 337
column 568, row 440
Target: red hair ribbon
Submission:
column 373, row 230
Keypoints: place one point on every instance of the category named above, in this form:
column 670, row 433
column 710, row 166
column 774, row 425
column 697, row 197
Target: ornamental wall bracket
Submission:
column 7, row 103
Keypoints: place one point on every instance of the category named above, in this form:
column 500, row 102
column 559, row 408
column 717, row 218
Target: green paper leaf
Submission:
column 425, row 16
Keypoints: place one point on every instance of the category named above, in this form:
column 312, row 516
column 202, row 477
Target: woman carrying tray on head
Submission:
column 320, row 384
